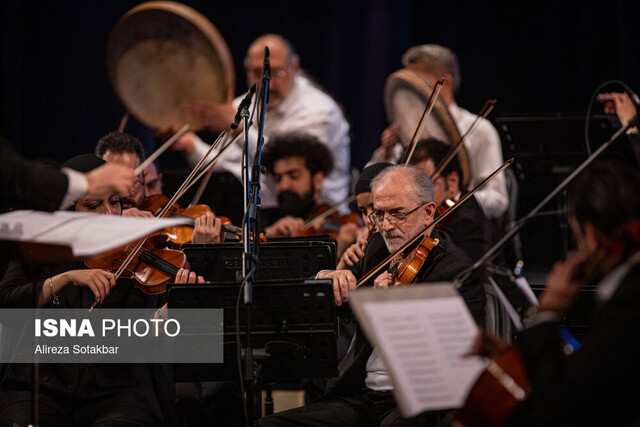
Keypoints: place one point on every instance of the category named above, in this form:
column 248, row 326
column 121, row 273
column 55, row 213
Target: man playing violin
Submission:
column 122, row 148
column 298, row 164
column 362, row 394
column 468, row 226
column 598, row 384
column 364, row 200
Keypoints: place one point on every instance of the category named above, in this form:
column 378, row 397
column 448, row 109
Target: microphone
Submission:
column 243, row 105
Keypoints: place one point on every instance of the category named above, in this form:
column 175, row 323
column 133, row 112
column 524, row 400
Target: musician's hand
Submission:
column 351, row 255
column 389, row 138
column 217, row 117
column 561, row 286
column 208, row 229
column 284, row 227
column 621, row 105
column 383, row 280
column 343, row 282
column 346, row 236
column 185, row 276
column 486, row 345
column 137, row 213
column 185, row 143
column 363, row 236
column 110, row 178
column 99, row 281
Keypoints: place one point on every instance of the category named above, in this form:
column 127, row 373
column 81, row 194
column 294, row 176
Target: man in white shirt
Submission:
column 295, row 104
column 482, row 144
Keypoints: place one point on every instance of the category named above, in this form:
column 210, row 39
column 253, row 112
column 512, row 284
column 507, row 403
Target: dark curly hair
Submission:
column 316, row 155
column 436, row 150
column 119, row 142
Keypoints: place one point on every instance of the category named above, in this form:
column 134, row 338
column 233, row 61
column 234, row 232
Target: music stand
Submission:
column 283, row 259
column 293, row 333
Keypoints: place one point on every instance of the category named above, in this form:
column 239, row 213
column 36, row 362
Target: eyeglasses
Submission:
column 395, row 218
column 276, row 72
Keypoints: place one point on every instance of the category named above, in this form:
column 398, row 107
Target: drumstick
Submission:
column 484, row 112
column 162, row 149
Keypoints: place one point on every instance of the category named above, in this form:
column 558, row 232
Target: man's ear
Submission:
column 453, row 184
column 430, row 211
column 317, row 179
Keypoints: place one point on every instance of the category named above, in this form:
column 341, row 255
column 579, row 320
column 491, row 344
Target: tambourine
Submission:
column 162, row 55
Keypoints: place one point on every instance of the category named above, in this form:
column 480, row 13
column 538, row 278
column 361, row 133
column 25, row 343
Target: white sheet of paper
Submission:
column 85, row 233
column 422, row 332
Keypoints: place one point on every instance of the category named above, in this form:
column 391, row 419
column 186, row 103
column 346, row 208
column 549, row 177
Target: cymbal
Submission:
column 406, row 93
column 161, row 56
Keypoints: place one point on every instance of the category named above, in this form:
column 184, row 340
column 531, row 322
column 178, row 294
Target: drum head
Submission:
column 162, row 55
column 406, row 94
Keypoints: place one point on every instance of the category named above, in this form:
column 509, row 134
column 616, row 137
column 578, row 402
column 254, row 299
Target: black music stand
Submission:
column 293, row 336
column 282, row 259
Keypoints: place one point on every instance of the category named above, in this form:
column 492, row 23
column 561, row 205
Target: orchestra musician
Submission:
column 483, row 144
column 296, row 103
column 621, row 104
column 31, row 185
column 122, row 148
column 83, row 394
column 598, row 384
column 364, row 200
column 468, row 226
column 299, row 164
column 362, row 394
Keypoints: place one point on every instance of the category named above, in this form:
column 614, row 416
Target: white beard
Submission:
column 394, row 239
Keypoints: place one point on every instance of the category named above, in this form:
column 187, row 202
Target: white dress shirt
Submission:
column 306, row 109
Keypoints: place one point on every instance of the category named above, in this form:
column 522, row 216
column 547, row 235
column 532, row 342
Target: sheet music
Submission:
column 422, row 332
column 85, row 233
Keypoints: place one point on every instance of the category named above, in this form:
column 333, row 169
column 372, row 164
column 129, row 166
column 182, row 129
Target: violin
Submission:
column 407, row 270
column 151, row 268
column 180, row 235
column 445, row 206
column 327, row 220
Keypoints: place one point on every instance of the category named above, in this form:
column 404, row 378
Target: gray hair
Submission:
column 422, row 185
column 439, row 60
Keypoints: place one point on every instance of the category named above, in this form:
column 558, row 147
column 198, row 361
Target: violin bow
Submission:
column 484, row 112
column 316, row 220
column 209, row 166
column 161, row 149
column 406, row 157
column 123, row 122
column 133, row 253
column 433, row 223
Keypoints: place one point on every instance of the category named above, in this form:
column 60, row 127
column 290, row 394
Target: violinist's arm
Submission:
column 137, row 213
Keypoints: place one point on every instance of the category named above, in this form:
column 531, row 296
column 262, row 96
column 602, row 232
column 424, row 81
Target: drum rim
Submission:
column 195, row 18
column 421, row 86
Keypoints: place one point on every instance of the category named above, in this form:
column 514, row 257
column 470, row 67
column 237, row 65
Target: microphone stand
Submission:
column 250, row 234
column 462, row 277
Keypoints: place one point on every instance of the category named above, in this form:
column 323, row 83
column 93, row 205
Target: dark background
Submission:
column 536, row 58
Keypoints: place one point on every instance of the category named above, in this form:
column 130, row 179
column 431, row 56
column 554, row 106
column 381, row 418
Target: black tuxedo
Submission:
column 28, row 184
column 346, row 401
column 81, row 393
column 469, row 228
column 597, row 385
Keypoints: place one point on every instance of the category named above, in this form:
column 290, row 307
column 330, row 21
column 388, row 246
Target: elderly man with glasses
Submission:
column 363, row 393
column 295, row 104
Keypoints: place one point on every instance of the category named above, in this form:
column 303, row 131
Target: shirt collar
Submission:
column 608, row 286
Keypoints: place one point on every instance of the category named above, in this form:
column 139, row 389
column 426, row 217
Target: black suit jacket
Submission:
column 444, row 263
column 27, row 184
column 597, row 385
column 469, row 228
